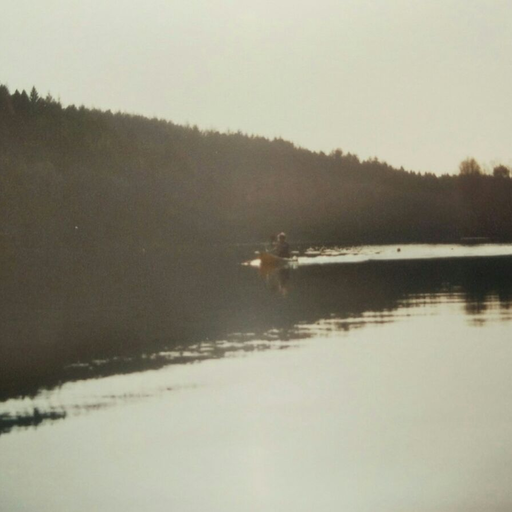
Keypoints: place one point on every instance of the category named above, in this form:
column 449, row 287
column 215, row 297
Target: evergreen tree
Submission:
column 34, row 96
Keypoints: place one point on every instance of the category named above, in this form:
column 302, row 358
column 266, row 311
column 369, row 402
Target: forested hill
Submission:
column 82, row 178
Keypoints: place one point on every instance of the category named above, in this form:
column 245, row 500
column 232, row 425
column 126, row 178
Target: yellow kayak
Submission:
column 271, row 260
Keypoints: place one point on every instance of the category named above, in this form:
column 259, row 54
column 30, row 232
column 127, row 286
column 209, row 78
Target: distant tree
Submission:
column 470, row 167
column 15, row 99
column 20, row 101
column 5, row 101
column 501, row 171
column 352, row 158
column 34, row 96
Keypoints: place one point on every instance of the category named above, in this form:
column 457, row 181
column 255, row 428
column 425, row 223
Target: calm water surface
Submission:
column 362, row 379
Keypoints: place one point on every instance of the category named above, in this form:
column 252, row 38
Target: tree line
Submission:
column 73, row 177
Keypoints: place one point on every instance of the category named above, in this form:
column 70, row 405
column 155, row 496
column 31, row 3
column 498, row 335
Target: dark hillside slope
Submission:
column 80, row 178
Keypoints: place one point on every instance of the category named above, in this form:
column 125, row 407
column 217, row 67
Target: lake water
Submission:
column 360, row 379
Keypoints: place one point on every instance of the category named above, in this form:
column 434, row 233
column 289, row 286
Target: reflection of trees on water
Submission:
column 488, row 286
column 79, row 321
column 32, row 418
column 347, row 291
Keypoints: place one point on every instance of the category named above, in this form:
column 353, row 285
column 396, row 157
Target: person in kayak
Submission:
column 281, row 247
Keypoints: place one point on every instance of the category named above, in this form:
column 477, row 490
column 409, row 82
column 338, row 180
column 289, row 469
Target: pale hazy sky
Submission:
column 417, row 83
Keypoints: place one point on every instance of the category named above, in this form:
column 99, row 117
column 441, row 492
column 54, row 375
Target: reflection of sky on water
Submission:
column 408, row 410
column 317, row 255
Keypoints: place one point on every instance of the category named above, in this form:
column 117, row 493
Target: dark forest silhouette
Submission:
column 78, row 178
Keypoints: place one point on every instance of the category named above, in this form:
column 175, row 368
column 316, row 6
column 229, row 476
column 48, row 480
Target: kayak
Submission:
column 271, row 260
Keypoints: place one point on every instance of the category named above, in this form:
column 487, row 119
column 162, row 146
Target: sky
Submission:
column 421, row 84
